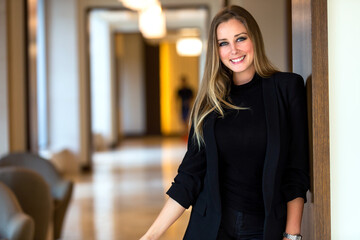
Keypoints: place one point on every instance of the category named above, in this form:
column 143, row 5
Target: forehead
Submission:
column 230, row 28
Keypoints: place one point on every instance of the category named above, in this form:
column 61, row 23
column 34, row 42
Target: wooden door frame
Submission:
column 320, row 148
column 310, row 59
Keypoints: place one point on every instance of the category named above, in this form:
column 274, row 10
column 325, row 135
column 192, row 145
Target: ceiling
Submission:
column 187, row 22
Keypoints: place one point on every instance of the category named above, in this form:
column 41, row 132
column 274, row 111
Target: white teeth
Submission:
column 238, row 59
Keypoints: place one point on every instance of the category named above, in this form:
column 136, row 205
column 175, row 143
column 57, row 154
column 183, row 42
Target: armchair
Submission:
column 33, row 195
column 14, row 223
column 61, row 189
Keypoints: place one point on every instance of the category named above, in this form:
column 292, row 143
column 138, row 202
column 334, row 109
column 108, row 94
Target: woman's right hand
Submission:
column 148, row 237
column 171, row 211
column 144, row 238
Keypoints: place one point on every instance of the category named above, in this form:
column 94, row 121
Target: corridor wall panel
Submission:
column 4, row 114
column 16, row 75
column 63, row 77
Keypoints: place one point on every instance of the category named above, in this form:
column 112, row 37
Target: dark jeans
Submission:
column 237, row 225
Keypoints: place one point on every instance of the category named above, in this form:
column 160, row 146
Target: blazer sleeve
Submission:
column 296, row 180
column 189, row 180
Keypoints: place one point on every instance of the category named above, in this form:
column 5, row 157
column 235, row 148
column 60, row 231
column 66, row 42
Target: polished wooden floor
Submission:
column 125, row 192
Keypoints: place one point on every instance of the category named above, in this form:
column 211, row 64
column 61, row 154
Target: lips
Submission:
column 237, row 60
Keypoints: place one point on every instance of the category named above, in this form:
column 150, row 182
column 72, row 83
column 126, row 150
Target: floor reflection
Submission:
column 125, row 192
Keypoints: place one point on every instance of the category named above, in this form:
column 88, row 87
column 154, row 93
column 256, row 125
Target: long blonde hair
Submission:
column 217, row 78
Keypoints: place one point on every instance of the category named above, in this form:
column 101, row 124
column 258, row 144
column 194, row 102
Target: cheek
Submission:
column 222, row 53
column 251, row 49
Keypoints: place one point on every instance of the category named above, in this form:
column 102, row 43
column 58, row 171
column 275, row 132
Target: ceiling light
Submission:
column 152, row 22
column 189, row 47
column 138, row 5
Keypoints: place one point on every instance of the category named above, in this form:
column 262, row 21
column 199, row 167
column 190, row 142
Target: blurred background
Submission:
column 93, row 87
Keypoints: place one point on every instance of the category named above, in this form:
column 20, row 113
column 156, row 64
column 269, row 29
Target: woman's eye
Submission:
column 240, row 39
column 222, row 44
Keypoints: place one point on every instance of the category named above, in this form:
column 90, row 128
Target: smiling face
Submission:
column 236, row 50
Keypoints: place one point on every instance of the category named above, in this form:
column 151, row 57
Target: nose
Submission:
column 234, row 50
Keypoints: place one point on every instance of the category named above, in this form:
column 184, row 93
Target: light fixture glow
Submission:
column 152, row 22
column 189, row 47
column 139, row 5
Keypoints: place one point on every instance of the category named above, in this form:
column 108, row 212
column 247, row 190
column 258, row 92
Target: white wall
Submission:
column 41, row 72
column 344, row 97
column 101, row 78
column 63, row 76
column 272, row 19
column 4, row 115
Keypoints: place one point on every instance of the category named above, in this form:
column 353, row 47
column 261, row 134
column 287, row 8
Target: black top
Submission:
column 241, row 142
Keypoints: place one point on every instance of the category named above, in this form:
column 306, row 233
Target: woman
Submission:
column 245, row 172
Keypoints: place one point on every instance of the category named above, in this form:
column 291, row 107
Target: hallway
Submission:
column 125, row 192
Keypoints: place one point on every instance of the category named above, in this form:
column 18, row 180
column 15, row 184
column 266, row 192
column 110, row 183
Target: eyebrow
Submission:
column 236, row 35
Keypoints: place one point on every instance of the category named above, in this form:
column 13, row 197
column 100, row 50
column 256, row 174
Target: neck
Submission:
column 244, row 77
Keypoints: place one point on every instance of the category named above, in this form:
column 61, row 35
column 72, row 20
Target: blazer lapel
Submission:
column 273, row 140
column 212, row 159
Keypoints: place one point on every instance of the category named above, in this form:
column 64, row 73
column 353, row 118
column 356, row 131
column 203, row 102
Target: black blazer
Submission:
column 286, row 166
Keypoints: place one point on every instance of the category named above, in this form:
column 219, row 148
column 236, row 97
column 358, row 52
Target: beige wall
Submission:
column 272, row 18
column 131, row 85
